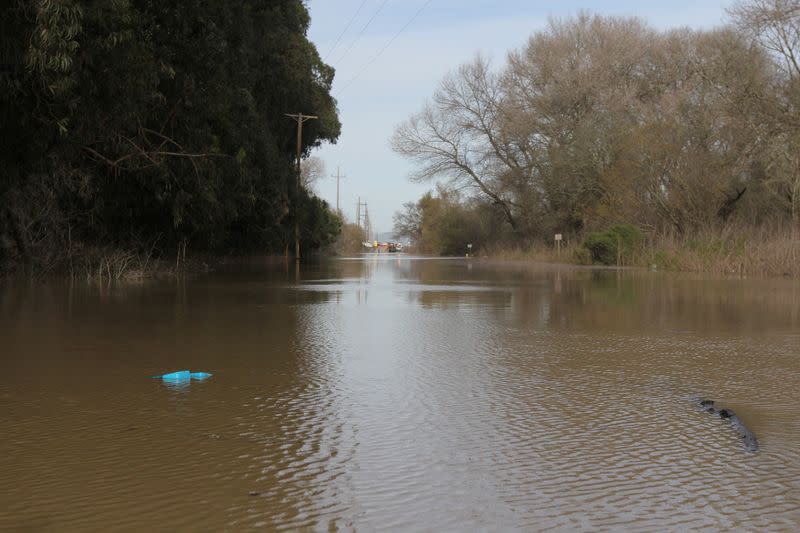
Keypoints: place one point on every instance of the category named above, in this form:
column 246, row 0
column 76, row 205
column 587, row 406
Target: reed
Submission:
column 731, row 250
column 536, row 252
column 765, row 251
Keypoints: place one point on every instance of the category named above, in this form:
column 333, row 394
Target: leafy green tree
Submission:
column 127, row 121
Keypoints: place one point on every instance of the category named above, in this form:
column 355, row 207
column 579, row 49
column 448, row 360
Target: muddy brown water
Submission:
column 400, row 393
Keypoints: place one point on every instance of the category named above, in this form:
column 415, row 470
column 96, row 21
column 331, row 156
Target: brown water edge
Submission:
column 400, row 393
column 120, row 266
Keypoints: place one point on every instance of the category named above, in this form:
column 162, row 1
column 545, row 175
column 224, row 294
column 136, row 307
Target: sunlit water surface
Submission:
column 392, row 392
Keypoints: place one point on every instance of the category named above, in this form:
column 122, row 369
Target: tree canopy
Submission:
column 604, row 120
column 127, row 121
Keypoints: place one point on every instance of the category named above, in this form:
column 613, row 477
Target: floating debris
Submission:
column 184, row 375
column 748, row 438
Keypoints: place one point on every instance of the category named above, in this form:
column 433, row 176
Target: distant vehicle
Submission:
column 381, row 247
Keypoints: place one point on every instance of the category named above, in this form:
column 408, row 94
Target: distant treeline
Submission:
column 142, row 124
column 599, row 121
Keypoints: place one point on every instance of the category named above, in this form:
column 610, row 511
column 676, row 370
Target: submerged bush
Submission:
column 601, row 247
column 614, row 246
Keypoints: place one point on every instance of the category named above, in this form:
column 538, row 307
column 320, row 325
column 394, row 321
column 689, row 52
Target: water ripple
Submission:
column 402, row 395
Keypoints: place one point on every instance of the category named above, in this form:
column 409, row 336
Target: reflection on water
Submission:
column 176, row 386
column 390, row 392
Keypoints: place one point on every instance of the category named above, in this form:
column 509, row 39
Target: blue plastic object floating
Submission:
column 180, row 375
column 184, row 375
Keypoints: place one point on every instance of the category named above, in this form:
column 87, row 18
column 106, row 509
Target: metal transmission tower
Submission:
column 367, row 224
column 300, row 118
column 362, row 219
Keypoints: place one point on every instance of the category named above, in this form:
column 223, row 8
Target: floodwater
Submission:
column 400, row 393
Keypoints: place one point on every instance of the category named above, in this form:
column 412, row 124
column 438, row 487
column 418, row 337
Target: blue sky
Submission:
column 375, row 94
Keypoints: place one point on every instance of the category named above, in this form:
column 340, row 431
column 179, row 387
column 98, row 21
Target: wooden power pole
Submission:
column 338, row 176
column 300, row 118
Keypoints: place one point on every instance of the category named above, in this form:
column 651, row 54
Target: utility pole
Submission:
column 358, row 211
column 337, row 176
column 300, row 118
column 367, row 225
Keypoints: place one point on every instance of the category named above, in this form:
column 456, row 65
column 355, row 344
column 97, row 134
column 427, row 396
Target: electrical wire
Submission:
column 361, row 33
column 383, row 49
column 338, row 39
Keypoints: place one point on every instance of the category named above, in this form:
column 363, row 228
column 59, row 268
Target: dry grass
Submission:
column 762, row 252
column 536, row 252
column 731, row 250
column 350, row 240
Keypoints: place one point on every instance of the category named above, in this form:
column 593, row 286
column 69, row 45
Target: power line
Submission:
column 338, row 39
column 375, row 14
column 382, row 50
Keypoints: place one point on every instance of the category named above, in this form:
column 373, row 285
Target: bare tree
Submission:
column 311, row 171
column 457, row 135
column 571, row 93
column 775, row 25
column 408, row 222
column 601, row 120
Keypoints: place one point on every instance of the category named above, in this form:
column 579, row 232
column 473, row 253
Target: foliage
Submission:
column 602, row 247
column 615, row 246
column 444, row 224
column 582, row 256
column 350, row 239
column 602, row 120
column 319, row 225
column 130, row 120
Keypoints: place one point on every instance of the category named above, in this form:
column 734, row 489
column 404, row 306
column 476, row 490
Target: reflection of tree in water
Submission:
column 446, row 298
column 635, row 301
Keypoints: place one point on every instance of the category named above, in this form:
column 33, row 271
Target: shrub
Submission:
column 614, row 246
column 602, row 248
column 628, row 237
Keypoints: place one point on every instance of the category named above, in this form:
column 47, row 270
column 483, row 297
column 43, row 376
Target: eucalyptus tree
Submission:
column 131, row 120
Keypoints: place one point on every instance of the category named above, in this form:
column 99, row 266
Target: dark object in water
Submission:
column 749, row 440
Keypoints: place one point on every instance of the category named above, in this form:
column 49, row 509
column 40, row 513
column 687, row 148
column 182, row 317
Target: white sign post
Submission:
column 558, row 244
